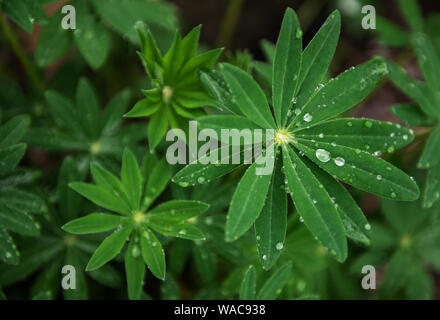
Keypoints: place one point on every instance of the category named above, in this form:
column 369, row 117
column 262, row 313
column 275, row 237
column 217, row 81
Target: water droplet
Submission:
column 258, row 238
column 308, row 117
column 322, row 155
column 339, row 161
column 368, row 124
column 390, row 149
column 377, row 154
column 349, row 123
column 200, row 179
column 183, row 184
column 321, row 135
column 392, row 134
column 301, row 219
column 405, row 137
column 299, row 33
column 379, row 177
column 358, row 151
column 279, row 246
column 393, row 195
column 8, row 255
column 297, row 111
column 367, row 226
column 264, row 257
column 135, row 251
column 320, row 86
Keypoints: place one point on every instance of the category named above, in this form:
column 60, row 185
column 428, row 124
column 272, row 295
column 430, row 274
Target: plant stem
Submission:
column 229, row 22
column 21, row 54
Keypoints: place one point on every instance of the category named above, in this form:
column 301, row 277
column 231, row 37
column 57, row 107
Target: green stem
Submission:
column 229, row 23
column 21, row 54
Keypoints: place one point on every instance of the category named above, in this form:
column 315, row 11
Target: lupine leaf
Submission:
column 178, row 230
column 407, row 85
column 157, row 127
column 109, row 248
column 135, row 270
column 10, row 157
column 101, row 196
column 248, row 286
column 432, row 188
column 429, row 61
column 431, row 154
column 157, row 182
column 273, row 286
column 341, row 93
column 412, row 13
column 13, row 131
column 219, row 122
column 361, row 170
column 286, row 65
column 391, row 34
column 93, row 223
column 107, row 180
column 143, row 108
column 153, row 254
column 314, row 205
column 411, row 115
column 17, row 221
column 271, row 225
column 250, row 98
column 365, row 134
column 18, row 12
column 317, row 57
column 8, row 251
column 131, row 178
column 88, row 108
column 247, row 202
column 114, row 111
column 177, row 210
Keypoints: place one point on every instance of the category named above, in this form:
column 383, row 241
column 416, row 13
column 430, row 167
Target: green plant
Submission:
column 314, row 147
column 131, row 197
column 56, row 248
column 82, row 127
column 177, row 93
column 409, row 243
column 425, row 112
column 15, row 204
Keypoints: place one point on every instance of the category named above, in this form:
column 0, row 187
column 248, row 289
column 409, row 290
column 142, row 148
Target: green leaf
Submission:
column 432, row 188
column 17, row 221
column 205, row 60
column 397, row 271
column 8, row 251
column 196, row 172
column 177, row 210
column 248, row 286
column 88, row 107
column 390, row 33
column 131, row 178
column 247, row 202
column 157, row 182
column 153, row 254
column 109, row 248
column 101, row 196
column 355, row 224
column 22, row 200
column 250, row 98
column 431, row 154
column 271, row 225
column 53, row 42
column 411, row 115
column 18, row 12
column 286, row 66
column 10, row 157
column 135, row 270
column 64, row 112
column 107, row 180
column 93, row 223
column 361, row 170
column 412, row 13
column 429, row 61
column 408, row 86
column 341, row 93
column 365, row 134
column 114, row 111
column 179, row 230
column 157, row 127
column 92, row 39
column 273, row 286
column 205, row 261
column 143, row 108
column 317, row 57
column 13, row 131
column 314, row 205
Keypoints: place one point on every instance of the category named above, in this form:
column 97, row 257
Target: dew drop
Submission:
column 367, row 226
column 339, row 161
column 200, row 179
column 279, row 246
column 393, row 195
column 349, row 123
column 264, row 257
column 322, row 155
column 321, row 135
column 405, row 137
column 183, row 184
column 308, row 117
column 297, row 111
column 368, row 124
column 379, row 177
column 301, row 219
column 299, row 33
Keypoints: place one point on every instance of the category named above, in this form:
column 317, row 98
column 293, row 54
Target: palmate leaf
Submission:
column 341, row 93
column 247, row 202
column 93, row 223
column 271, row 225
column 273, row 286
column 361, row 170
column 177, row 210
column 286, row 65
column 311, row 200
column 248, row 286
column 317, row 57
column 109, row 248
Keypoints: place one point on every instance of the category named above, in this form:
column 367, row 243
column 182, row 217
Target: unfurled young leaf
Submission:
column 317, row 150
column 131, row 196
column 177, row 91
